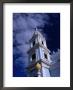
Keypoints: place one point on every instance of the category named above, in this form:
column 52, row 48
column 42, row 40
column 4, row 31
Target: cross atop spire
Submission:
column 36, row 29
column 37, row 32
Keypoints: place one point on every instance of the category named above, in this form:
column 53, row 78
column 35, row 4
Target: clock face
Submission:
column 38, row 66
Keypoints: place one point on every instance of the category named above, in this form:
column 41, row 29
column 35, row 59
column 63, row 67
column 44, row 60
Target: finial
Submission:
column 36, row 29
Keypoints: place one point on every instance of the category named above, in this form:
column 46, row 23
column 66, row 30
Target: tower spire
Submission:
column 39, row 58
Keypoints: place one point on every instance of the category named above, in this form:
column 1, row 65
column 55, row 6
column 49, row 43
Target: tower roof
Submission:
column 35, row 34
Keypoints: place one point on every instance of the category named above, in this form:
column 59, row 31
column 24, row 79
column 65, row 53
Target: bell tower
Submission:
column 39, row 57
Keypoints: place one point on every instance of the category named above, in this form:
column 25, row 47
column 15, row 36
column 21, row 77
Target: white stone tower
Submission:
column 39, row 57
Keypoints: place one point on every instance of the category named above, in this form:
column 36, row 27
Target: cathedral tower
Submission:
column 39, row 57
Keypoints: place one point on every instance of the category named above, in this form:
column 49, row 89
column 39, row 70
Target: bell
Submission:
column 38, row 66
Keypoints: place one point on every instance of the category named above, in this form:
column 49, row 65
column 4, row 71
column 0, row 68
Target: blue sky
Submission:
column 23, row 29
